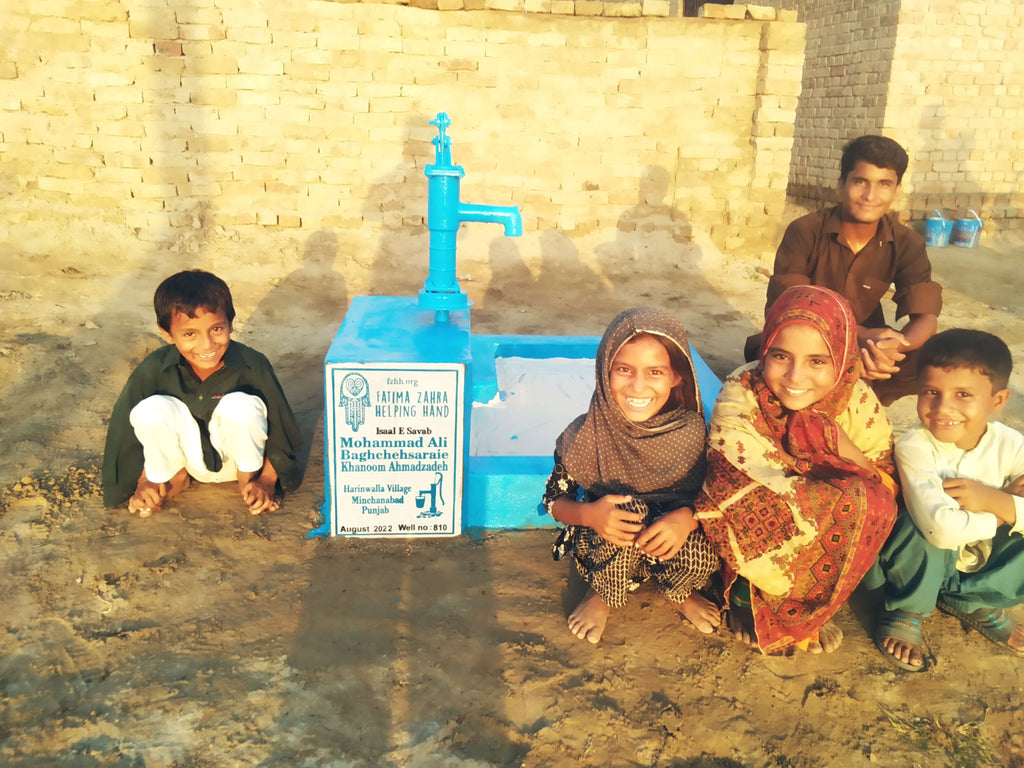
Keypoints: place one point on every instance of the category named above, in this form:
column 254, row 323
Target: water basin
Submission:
column 536, row 399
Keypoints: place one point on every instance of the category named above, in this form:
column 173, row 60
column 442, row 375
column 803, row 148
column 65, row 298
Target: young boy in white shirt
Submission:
column 958, row 545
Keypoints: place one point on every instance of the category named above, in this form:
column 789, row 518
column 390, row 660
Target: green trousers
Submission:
column 917, row 574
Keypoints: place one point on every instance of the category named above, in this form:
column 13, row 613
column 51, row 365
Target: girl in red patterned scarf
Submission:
column 799, row 495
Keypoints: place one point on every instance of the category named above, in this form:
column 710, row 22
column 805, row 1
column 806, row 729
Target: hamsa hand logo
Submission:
column 355, row 398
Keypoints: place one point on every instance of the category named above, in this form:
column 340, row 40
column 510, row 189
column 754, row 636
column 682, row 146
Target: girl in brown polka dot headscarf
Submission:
column 627, row 472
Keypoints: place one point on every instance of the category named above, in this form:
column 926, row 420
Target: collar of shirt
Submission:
column 884, row 234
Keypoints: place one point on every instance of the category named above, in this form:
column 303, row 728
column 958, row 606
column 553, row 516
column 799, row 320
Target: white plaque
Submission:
column 395, row 448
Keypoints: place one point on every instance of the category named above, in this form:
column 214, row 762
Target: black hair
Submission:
column 965, row 348
column 880, row 151
column 189, row 291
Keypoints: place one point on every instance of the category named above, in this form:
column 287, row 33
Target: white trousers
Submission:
column 170, row 437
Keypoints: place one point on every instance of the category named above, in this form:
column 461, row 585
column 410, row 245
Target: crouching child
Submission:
column 203, row 408
column 957, row 546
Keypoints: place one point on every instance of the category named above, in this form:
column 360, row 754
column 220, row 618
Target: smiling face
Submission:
column 867, row 193
column 202, row 340
column 798, row 366
column 641, row 378
column 954, row 404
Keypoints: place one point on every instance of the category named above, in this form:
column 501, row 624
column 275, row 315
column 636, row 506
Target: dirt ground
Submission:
column 206, row 637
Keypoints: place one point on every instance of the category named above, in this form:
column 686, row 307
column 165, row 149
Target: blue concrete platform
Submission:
column 396, row 340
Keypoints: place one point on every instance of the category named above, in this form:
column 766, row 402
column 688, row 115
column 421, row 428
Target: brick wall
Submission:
column 944, row 78
column 957, row 99
column 845, row 85
column 163, row 117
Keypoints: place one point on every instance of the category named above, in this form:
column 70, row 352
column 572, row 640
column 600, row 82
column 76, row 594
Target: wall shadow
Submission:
column 577, row 296
column 654, row 259
column 504, row 306
column 389, row 635
column 396, row 203
column 308, row 304
column 122, row 327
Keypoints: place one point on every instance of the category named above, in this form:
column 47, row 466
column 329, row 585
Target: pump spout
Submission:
column 507, row 216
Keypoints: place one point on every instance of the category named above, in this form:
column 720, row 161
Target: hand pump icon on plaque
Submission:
column 433, row 493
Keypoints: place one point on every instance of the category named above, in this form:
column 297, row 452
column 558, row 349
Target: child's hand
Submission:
column 259, row 495
column 147, row 497
column 665, row 536
column 978, row 497
column 614, row 524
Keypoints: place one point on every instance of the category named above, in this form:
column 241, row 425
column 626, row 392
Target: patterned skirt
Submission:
column 613, row 571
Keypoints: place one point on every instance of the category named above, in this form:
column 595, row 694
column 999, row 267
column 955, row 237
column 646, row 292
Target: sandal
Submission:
column 994, row 623
column 905, row 627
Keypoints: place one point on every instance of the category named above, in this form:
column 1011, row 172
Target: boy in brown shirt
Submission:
column 858, row 248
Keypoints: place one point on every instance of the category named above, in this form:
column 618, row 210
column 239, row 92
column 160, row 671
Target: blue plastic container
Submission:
column 937, row 230
column 967, row 232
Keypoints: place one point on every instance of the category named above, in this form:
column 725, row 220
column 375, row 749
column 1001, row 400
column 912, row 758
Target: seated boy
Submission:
column 204, row 407
column 960, row 547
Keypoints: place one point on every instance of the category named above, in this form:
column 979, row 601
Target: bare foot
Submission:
column 702, row 613
column 741, row 623
column 830, row 637
column 588, row 621
column 150, row 496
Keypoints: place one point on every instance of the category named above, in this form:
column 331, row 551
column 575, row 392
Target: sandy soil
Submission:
column 206, row 637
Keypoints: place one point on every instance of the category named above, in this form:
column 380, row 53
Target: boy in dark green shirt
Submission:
column 204, row 407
